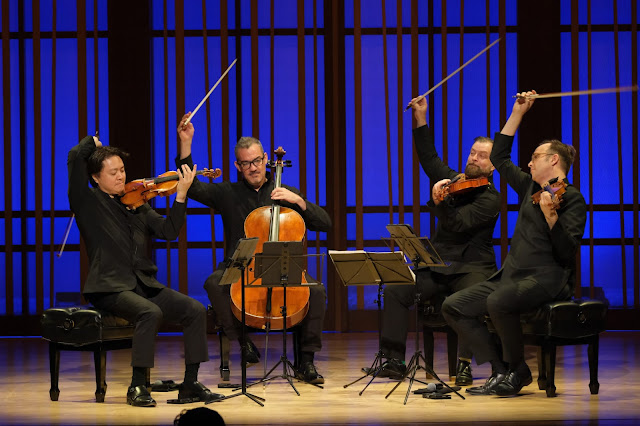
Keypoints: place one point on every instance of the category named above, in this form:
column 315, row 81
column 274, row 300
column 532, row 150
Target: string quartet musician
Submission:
column 539, row 268
column 121, row 277
column 235, row 201
column 464, row 237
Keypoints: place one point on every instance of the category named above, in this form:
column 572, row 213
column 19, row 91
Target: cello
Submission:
column 271, row 223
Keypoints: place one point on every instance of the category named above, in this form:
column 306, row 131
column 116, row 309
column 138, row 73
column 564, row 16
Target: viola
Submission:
column 139, row 191
column 271, row 223
column 461, row 184
column 556, row 190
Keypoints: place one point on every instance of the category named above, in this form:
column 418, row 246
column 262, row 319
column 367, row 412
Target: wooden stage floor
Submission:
column 24, row 382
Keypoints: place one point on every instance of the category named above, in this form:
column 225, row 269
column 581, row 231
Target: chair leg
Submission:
column 542, row 369
column 592, row 353
column 551, row 370
column 452, row 352
column 100, row 361
column 54, row 370
column 296, row 347
column 225, row 349
column 427, row 337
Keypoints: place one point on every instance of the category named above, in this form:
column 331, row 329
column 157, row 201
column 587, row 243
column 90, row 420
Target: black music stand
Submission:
column 236, row 269
column 366, row 268
column 281, row 264
column 414, row 248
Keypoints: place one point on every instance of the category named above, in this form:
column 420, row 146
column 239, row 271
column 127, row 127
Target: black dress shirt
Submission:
column 116, row 238
column 464, row 234
column 235, row 200
column 537, row 253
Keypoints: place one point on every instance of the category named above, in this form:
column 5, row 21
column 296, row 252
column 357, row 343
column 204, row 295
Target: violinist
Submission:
column 121, row 278
column 540, row 266
column 464, row 237
column 235, row 201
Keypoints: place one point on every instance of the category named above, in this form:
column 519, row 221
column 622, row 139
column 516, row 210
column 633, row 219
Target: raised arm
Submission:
column 77, row 169
column 503, row 142
column 431, row 163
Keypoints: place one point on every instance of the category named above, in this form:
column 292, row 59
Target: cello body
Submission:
column 263, row 304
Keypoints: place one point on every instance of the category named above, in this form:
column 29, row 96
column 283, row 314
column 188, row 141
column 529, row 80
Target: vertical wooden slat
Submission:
column 255, row 76
column 445, row 86
column 399, row 113
column 239, row 66
column 316, row 143
column 634, row 150
column 623, row 246
column 224, row 58
column 183, row 284
column 431, row 111
column 22, row 133
column 336, row 166
column 575, row 84
column 52, row 186
column 302, row 96
column 386, row 109
column 8, row 193
column 205, row 46
column 590, row 152
column 502, row 30
column 415, row 88
column 272, row 89
column 81, row 24
column 460, row 88
column 487, row 40
column 357, row 83
column 37, row 157
column 96, row 68
column 165, row 47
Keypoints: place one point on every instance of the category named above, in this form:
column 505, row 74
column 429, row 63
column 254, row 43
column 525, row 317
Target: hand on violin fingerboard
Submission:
column 437, row 191
column 548, row 207
column 184, row 182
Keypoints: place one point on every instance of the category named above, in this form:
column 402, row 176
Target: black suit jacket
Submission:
column 464, row 234
column 116, row 238
column 235, row 200
column 537, row 253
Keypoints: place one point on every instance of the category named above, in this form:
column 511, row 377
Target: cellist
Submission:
column 235, row 201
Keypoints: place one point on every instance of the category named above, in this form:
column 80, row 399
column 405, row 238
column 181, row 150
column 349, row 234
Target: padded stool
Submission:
column 84, row 329
column 561, row 323
column 434, row 322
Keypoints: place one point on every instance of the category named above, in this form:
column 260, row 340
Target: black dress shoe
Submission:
column 139, row 396
column 463, row 374
column 307, row 372
column 513, row 383
column 489, row 385
column 197, row 392
column 251, row 353
column 392, row 368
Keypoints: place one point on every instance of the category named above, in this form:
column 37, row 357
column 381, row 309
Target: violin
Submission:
column 460, row 184
column 556, row 190
column 139, row 191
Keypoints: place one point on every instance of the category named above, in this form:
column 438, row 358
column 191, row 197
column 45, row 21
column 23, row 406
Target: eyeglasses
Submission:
column 245, row 165
column 537, row 155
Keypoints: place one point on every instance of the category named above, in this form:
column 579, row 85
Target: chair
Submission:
column 561, row 323
column 433, row 321
column 84, row 329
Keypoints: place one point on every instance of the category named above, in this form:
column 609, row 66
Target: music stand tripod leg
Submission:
column 258, row 400
column 376, row 365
